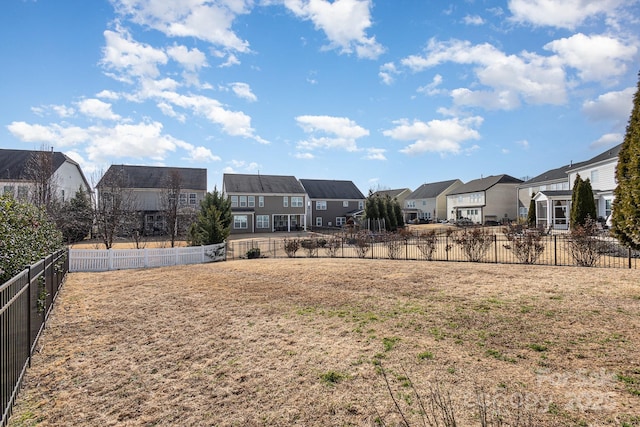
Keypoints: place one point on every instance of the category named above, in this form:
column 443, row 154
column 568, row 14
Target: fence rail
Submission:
column 120, row 259
column 26, row 301
column 558, row 250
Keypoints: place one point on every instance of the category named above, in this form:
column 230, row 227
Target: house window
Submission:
column 261, row 201
column 23, row 192
column 285, row 201
column 182, row 199
column 8, row 189
column 243, row 201
column 239, row 222
column 607, row 208
column 321, row 205
column 234, row 201
column 318, row 221
column 262, row 221
column 594, row 176
column 296, row 202
column 360, row 204
column 252, row 201
column 340, row 221
column 193, row 199
column 345, row 203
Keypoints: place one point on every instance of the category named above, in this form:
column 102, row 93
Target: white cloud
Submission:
column 129, row 58
column 439, row 136
column 510, row 79
column 614, row 106
column 304, row 156
column 523, row 143
column 206, row 20
column 60, row 110
column 376, row 154
column 242, row 166
column 432, row 88
column 387, row 71
column 243, row 90
column 561, row 13
column 473, row 20
column 343, row 132
column 94, row 108
column 344, row 22
column 200, row 154
column 597, row 57
column 607, row 140
column 190, row 59
column 108, row 94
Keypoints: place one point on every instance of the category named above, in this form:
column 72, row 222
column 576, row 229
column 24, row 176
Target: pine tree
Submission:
column 213, row 224
column 625, row 216
column 583, row 204
column 531, row 215
column 75, row 217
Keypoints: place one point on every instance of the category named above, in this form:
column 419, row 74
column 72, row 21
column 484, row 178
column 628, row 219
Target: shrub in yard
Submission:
column 584, row 244
column 475, row 242
column 394, row 243
column 253, row 253
column 362, row 243
column 311, row 246
column 291, row 246
column 332, row 246
column 525, row 242
column 426, row 243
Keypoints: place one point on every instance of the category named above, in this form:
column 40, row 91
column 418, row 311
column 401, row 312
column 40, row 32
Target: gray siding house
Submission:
column 332, row 202
column 147, row 185
column 265, row 203
column 429, row 201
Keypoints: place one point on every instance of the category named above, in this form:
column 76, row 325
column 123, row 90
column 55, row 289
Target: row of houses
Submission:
column 268, row 203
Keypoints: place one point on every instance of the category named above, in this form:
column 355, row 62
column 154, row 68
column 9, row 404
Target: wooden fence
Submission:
column 120, row 259
column 25, row 303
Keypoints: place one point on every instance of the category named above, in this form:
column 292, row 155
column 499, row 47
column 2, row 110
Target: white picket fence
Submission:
column 120, row 259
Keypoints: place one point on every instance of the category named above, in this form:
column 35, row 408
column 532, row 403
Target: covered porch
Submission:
column 553, row 209
column 289, row 222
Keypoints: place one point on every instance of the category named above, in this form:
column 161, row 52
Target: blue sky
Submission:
column 386, row 93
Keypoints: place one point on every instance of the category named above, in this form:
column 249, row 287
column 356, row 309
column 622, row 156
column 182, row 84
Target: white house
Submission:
column 429, row 201
column 490, row 199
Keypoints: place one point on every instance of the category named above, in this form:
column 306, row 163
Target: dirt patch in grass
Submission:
column 335, row 341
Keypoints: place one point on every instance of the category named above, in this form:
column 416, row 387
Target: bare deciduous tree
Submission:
column 39, row 170
column 116, row 212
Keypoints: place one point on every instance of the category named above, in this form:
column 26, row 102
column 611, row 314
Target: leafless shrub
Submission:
column 474, row 241
column 362, row 243
column 393, row 242
column 311, row 246
column 427, row 242
column 584, row 244
column 332, row 246
column 525, row 242
column 291, row 246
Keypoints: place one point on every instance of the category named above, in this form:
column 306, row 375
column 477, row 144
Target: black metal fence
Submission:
column 559, row 249
column 25, row 303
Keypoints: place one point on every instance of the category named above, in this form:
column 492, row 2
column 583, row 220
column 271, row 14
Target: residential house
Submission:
column 265, row 203
column 18, row 178
column 484, row 200
column 553, row 203
column 149, row 186
column 429, row 201
column 399, row 194
column 332, row 202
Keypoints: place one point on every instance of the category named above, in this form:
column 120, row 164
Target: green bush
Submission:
column 253, row 253
column 26, row 235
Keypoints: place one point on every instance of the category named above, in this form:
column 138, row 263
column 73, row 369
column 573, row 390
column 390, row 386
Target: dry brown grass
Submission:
column 301, row 342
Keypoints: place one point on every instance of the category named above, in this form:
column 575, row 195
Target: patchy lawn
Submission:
column 339, row 342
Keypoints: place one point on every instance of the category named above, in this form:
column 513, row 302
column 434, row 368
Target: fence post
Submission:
column 495, row 247
column 110, row 258
column 29, row 313
column 629, row 257
column 555, row 250
column 406, row 249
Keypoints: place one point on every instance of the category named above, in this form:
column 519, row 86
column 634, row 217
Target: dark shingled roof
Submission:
column 156, row 176
column 431, row 190
column 261, row 184
column 391, row 193
column 331, row 189
column 484, row 184
column 14, row 163
column 607, row 155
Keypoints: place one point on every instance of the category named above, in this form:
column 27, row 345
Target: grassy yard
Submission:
column 333, row 342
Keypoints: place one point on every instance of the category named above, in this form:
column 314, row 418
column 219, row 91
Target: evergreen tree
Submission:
column 213, row 224
column 75, row 217
column 382, row 211
column 583, row 205
column 371, row 207
column 531, row 215
column 397, row 210
column 390, row 217
column 626, row 205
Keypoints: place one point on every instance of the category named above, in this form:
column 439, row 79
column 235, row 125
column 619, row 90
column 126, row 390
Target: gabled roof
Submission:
column 331, row 189
column 14, row 164
column 557, row 174
column 156, row 176
column 392, row 193
column 611, row 153
column 265, row 184
column 431, row 190
column 483, row 184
